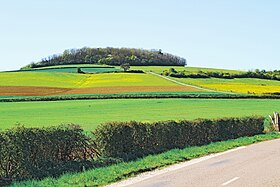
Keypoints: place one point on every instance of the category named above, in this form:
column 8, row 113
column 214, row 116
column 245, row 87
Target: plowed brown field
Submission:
column 47, row 91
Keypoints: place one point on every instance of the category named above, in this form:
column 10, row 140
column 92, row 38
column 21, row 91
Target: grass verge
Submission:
column 114, row 173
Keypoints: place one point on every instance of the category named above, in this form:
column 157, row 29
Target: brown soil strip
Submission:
column 31, row 91
column 47, row 91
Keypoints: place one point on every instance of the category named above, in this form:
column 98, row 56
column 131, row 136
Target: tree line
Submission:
column 259, row 74
column 111, row 56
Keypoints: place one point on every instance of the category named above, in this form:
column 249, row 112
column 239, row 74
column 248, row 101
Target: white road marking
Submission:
column 148, row 175
column 230, row 181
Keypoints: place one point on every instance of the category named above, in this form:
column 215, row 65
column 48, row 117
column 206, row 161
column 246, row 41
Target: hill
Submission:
column 111, row 56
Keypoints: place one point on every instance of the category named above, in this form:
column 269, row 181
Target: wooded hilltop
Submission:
column 111, row 56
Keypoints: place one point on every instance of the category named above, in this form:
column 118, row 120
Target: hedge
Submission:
column 141, row 96
column 36, row 153
column 131, row 140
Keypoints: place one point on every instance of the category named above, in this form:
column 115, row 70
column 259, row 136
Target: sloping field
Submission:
column 75, row 66
column 238, row 85
column 54, row 83
column 244, row 85
column 48, row 91
column 91, row 113
column 74, row 70
column 160, row 69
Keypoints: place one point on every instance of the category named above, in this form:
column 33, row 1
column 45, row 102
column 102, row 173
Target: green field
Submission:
column 74, row 66
column 91, row 113
column 160, row 69
column 74, row 70
column 156, row 69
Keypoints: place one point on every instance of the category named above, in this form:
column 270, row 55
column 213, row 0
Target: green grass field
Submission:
column 90, row 113
column 160, row 69
column 74, row 70
column 74, row 66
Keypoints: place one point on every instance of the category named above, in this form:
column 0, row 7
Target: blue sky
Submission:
column 234, row 34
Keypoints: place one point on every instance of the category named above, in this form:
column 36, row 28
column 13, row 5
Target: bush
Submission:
column 131, row 140
column 36, row 153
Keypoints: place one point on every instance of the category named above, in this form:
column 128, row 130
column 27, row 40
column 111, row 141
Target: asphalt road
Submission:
column 256, row 165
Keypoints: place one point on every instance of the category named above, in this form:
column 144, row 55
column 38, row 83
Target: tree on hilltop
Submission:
column 125, row 66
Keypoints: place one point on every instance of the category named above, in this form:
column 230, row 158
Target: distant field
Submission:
column 160, row 69
column 156, row 69
column 238, row 85
column 74, row 66
column 58, row 83
column 90, row 113
column 74, row 80
column 74, row 70
column 60, row 80
column 245, row 85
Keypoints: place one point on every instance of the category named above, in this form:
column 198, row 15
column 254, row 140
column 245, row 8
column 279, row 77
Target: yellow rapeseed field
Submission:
column 244, row 85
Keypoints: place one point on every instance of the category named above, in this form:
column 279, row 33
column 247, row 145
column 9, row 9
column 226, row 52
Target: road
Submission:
column 256, row 165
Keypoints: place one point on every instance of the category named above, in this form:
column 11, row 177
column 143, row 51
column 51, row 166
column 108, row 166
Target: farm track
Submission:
column 188, row 85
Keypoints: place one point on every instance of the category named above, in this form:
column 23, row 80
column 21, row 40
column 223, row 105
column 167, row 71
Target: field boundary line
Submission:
column 189, row 85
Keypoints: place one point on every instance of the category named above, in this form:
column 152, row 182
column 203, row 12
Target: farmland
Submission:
column 244, row 85
column 91, row 113
column 59, row 83
column 160, row 69
column 237, row 85
column 60, row 95
column 104, row 79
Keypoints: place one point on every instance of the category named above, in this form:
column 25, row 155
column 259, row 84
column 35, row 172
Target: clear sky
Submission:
column 235, row 34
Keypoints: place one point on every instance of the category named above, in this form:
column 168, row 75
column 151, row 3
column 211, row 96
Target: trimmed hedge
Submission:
column 35, row 153
column 140, row 96
column 40, row 152
column 131, row 140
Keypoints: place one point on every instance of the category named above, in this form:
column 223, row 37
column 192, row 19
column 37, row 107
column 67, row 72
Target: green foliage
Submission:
column 36, row 153
column 130, row 140
column 111, row 56
column 268, row 126
column 125, row 66
column 114, row 173
column 79, row 70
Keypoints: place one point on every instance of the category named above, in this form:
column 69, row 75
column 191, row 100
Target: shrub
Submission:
column 131, row 140
column 36, row 153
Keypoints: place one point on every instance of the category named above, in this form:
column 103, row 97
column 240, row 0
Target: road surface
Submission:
column 256, row 165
